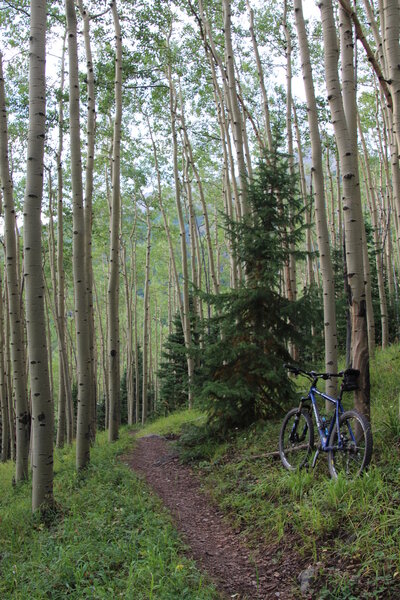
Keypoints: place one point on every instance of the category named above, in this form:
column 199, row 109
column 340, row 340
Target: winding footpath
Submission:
column 217, row 549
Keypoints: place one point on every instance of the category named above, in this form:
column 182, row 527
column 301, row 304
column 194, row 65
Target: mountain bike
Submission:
column 345, row 435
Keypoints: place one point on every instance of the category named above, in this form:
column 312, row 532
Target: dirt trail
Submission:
column 218, row 550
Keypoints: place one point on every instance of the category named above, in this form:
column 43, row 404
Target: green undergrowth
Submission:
column 110, row 538
column 173, row 423
column 348, row 530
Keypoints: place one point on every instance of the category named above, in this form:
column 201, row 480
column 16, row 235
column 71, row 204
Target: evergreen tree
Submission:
column 243, row 364
column 173, row 373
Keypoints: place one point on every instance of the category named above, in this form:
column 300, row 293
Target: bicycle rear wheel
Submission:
column 296, row 439
column 355, row 454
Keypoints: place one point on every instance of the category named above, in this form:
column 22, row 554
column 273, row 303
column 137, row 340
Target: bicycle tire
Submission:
column 355, row 456
column 294, row 450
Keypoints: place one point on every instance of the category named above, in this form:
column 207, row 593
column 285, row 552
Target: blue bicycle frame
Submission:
column 325, row 429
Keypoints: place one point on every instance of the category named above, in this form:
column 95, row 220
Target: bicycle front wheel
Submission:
column 296, row 439
column 354, row 455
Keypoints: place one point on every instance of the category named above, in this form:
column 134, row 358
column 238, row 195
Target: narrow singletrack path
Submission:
column 218, row 550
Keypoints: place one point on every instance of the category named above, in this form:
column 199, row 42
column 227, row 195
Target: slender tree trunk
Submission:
column 342, row 115
column 377, row 244
column 260, row 72
column 391, row 18
column 307, row 208
column 189, row 152
column 368, row 297
column 5, row 428
column 8, row 376
column 56, row 279
column 129, row 341
column 90, row 147
column 65, row 410
column 330, row 333
column 291, row 266
column 83, row 434
column 102, row 354
column 23, row 424
column 113, row 284
column 42, row 408
column 185, row 271
column 332, row 197
column 237, row 125
column 146, row 308
column 135, row 335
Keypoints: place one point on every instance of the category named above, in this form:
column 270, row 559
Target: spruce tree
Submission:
column 244, row 377
column 173, row 373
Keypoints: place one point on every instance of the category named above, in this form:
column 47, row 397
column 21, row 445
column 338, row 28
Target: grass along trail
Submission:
column 110, row 537
column 215, row 546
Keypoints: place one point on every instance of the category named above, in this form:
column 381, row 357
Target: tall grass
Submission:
column 350, row 529
column 110, row 538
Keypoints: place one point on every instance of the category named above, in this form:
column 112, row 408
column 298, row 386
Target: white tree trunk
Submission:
column 113, row 283
column 330, row 333
column 351, row 204
column 83, row 434
column 23, row 425
column 42, row 407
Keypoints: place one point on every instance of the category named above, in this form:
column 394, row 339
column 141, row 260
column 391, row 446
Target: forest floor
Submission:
column 109, row 538
column 296, row 534
column 217, row 548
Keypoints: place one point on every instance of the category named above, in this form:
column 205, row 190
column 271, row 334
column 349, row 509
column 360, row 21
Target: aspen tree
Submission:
column 226, row 183
column 42, row 409
column 156, row 355
column 378, row 250
column 290, row 267
column 192, row 223
column 169, row 297
column 368, row 297
column 146, row 308
column 237, row 125
column 351, row 204
column 386, row 69
column 223, row 99
column 65, row 408
column 113, row 282
column 330, row 333
column 190, row 159
column 47, row 313
column 307, row 209
column 135, row 331
column 90, row 149
column 129, row 325
column 350, row 109
column 5, row 428
column 103, row 358
column 260, row 72
column 391, row 27
column 83, row 434
column 332, row 197
column 150, row 372
column 23, row 421
column 8, row 375
column 185, row 271
column 166, row 225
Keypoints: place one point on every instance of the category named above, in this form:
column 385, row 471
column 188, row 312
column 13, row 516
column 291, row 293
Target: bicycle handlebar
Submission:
column 312, row 374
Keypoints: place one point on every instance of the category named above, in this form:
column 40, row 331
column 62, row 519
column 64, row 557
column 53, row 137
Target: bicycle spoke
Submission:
column 296, row 439
column 352, row 456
